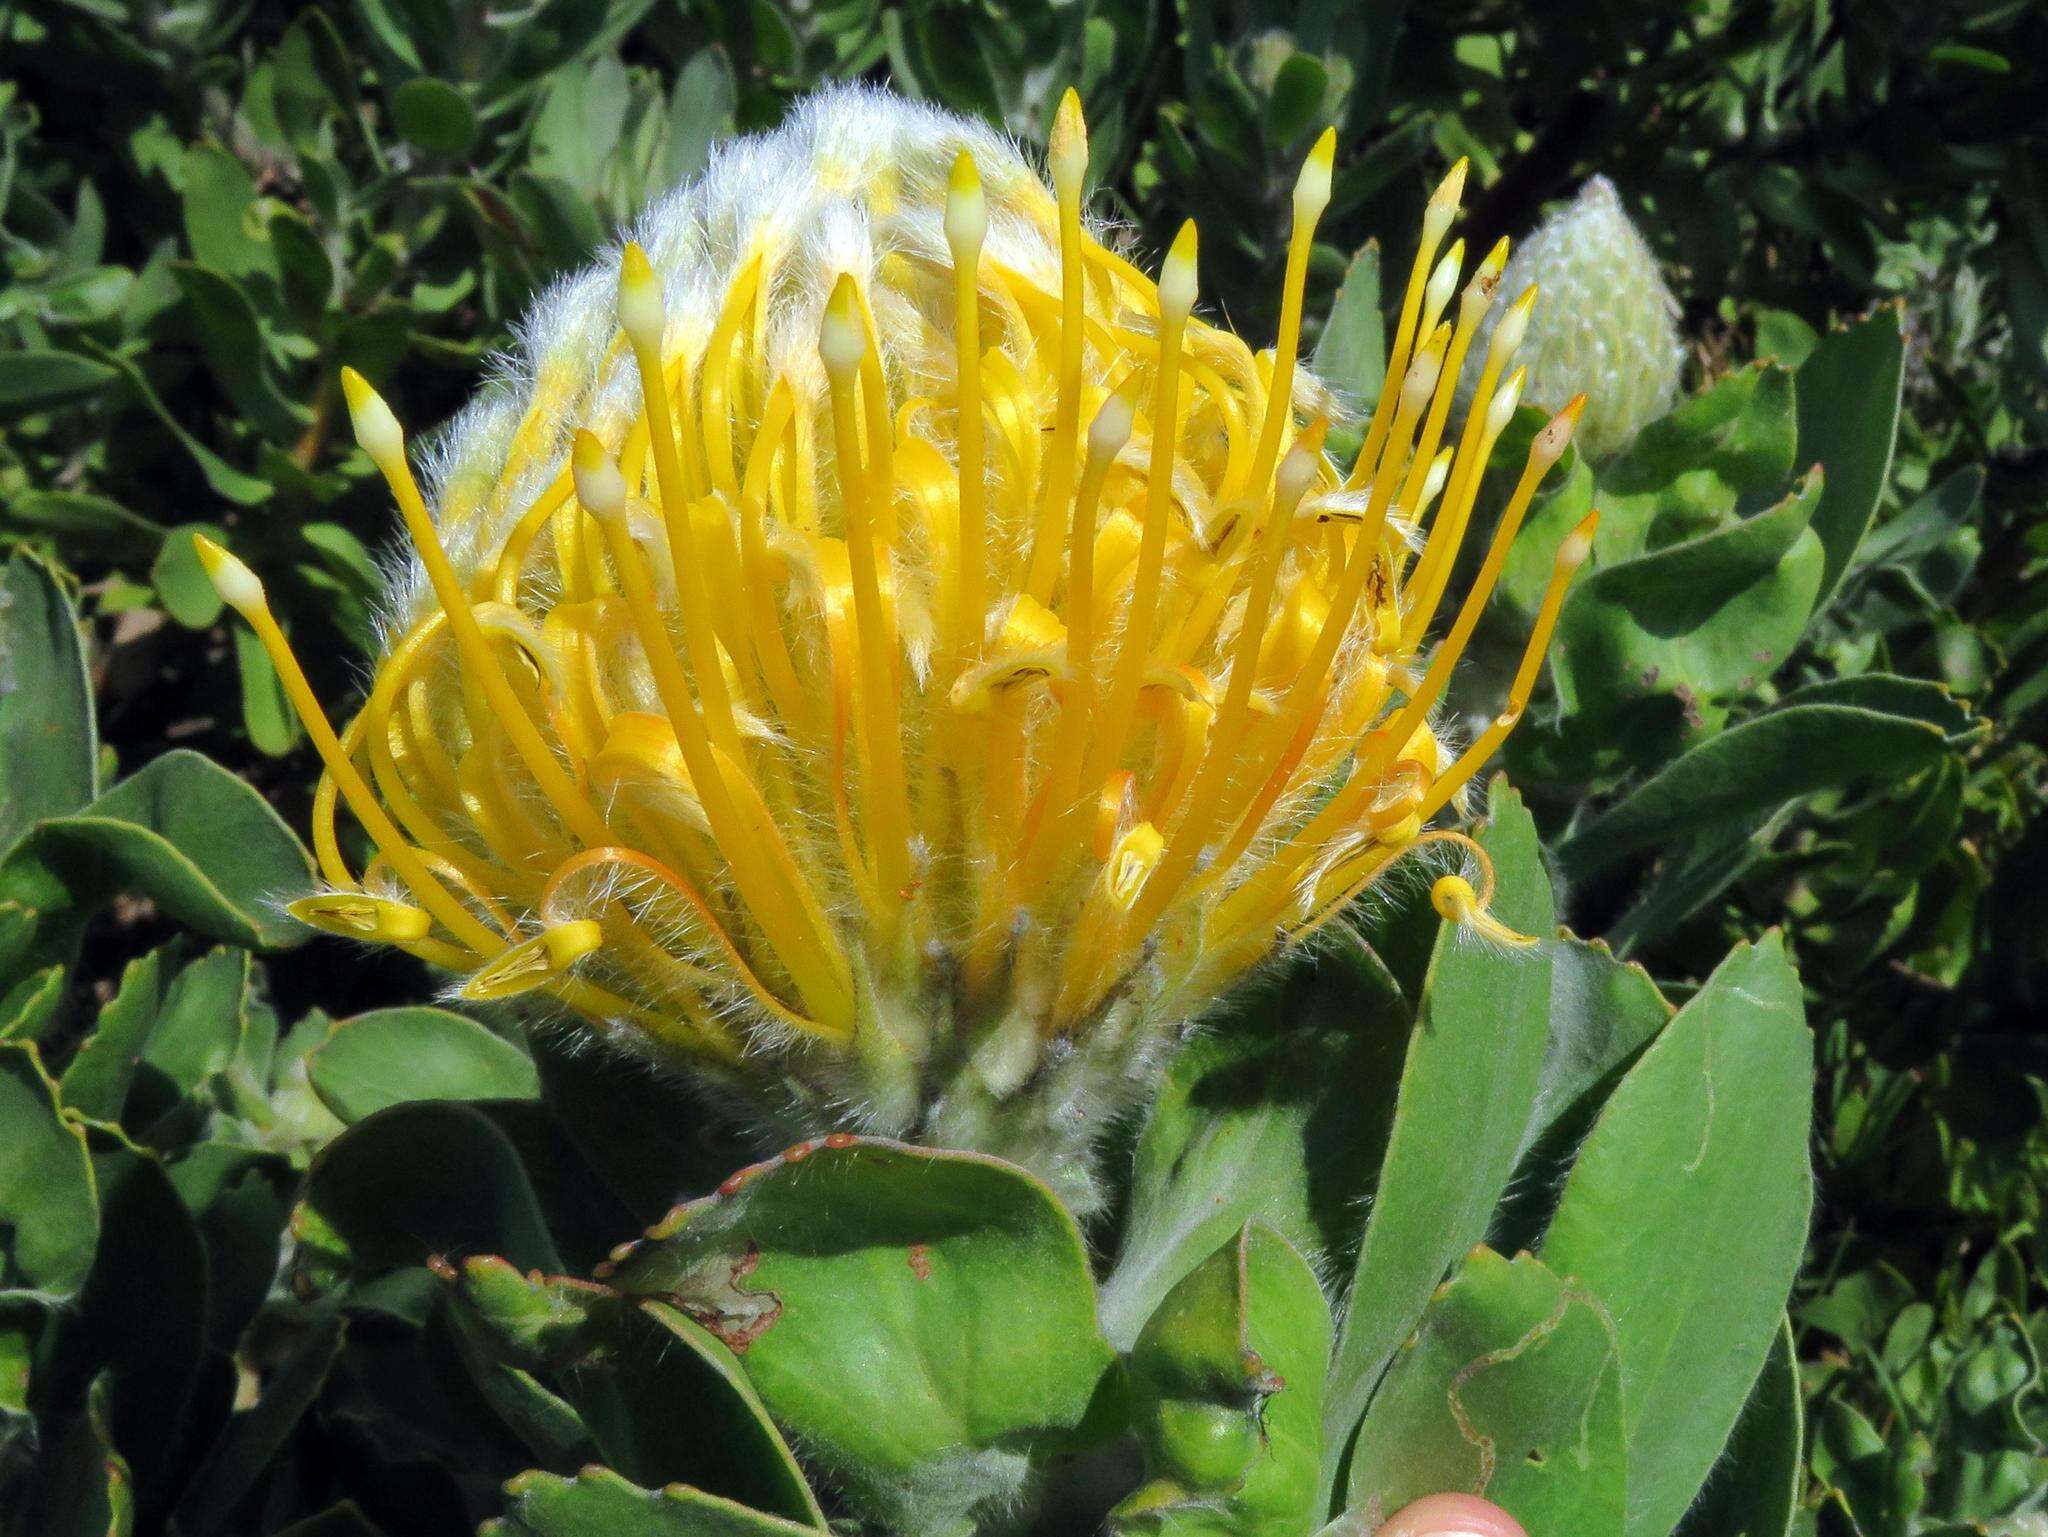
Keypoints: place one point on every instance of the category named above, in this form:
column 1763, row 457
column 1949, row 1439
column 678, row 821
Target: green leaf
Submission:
column 267, row 713
column 1475, row 1063
column 393, row 1056
column 343, row 1520
column 237, row 354
column 912, row 1317
column 241, row 1198
column 1697, row 872
column 579, row 124
column 1277, row 1111
column 1792, row 751
column 1688, row 471
column 37, row 378
column 1918, row 699
column 200, row 1024
column 222, row 478
column 699, row 114
column 221, row 220
column 33, row 1005
column 1511, row 1388
column 142, row 1313
column 1295, row 103
column 49, row 748
column 1876, row 1482
column 599, row 1503
column 563, row 227
column 1229, row 1372
column 181, row 582
column 88, row 520
column 1602, row 1014
column 648, row 1134
column 1784, row 337
column 1848, row 422
column 96, row 1080
column 304, row 263
column 255, row 1436
column 1559, row 506
column 433, row 115
column 367, row 1188
column 1703, row 621
column 665, row 1401
column 1686, row 1214
column 183, row 831
column 49, row 1211
column 83, row 1487
column 1352, row 351
column 1754, row 1489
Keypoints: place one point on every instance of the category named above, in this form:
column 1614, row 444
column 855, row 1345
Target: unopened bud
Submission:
column 842, row 340
column 375, row 427
column 642, row 314
column 237, row 585
column 1607, row 326
column 1177, row 275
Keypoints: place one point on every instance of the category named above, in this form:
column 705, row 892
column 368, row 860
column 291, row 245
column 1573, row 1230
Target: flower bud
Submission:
column 1606, row 325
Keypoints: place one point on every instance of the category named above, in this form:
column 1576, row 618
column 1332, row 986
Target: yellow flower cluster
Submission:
column 897, row 648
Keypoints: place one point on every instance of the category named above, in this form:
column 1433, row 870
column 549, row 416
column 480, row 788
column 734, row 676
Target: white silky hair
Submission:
column 853, row 177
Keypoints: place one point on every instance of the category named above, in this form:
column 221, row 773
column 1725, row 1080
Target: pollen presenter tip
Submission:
column 599, row 485
column 1177, row 277
column 376, row 429
column 235, row 582
column 642, row 314
column 1312, row 186
column 1067, row 151
column 841, row 340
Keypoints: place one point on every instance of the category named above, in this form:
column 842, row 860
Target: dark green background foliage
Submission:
column 206, row 209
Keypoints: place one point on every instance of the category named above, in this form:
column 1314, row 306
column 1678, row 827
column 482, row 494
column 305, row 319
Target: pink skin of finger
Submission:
column 1452, row 1515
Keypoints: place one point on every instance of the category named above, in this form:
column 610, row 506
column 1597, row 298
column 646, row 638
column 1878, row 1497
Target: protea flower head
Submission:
column 881, row 647
column 1608, row 328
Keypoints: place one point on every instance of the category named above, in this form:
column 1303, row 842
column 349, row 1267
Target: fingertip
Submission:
column 1452, row 1515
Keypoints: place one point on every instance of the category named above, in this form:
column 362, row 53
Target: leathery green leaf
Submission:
column 1762, row 763
column 83, row 1487
column 142, row 1312
column 1686, row 1214
column 394, row 1056
column 48, row 746
column 599, row 1503
column 49, row 1209
column 1603, row 1012
column 1277, row 1110
column 1230, row 1373
column 35, row 379
column 662, row 1399
column 1511, row 1389
column 366, row 1187
column 1688, row 470
column 1848, row 421
column 1475, row 1063
column 256, row 1435
column 1352, row 351
column 914, row 1317
column 160, row 1037
column 184, row 831
column 1754, row 1490
column 1704, row 620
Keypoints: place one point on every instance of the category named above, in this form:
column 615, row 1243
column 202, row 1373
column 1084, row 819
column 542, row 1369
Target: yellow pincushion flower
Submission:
column 888, row 651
